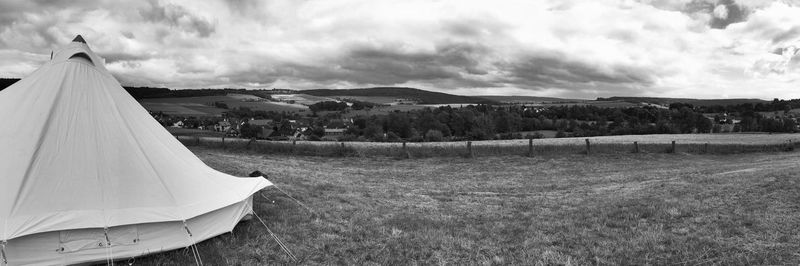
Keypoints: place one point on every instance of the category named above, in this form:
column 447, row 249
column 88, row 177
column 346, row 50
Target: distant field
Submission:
column 550, row 101
column 202, row 106
column 528, row 99
column 237, row 96
column 303, row 99
column 695, row 102
column 604, row 104
column 269, row 106
column 370, row 99
column 647, row 209
column 382, row 110
column 184, row 109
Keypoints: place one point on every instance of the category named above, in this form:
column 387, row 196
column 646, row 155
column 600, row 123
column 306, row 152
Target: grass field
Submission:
column 662, row 209
column 200, row 106
column 303, row 99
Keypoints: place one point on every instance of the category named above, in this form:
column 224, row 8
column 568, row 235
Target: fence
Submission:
column 468, row 149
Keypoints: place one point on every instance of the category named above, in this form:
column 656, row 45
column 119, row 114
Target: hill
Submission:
column 421, row 96
column 529, row 99
column 695, row 102
column 155, row 93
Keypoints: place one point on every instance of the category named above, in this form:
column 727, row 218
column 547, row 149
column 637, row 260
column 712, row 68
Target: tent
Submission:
column 86, row 174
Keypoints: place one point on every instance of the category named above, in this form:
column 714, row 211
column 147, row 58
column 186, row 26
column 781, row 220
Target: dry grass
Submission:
column 682, row 209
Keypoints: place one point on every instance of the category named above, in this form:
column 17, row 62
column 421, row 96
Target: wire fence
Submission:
column 530, row 147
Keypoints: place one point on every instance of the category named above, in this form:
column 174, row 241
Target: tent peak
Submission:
column 79, row 39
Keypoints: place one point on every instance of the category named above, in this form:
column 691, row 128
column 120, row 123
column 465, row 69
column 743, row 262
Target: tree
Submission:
column 221, row 105
column 457, row 124
column 429, row 122
column 399, row 123
column 317, row 131
column 433, row 135
column 328, row 106
column 248, row 131
column 703, row 124
column 285, row 128
column 373, row 132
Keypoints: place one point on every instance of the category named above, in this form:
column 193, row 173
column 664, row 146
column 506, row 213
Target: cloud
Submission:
column 554, row 68
column 718, row 13
column 177, row 17
column 728, row 12
column 721, row 12
column 585, row 49
column 114, row 57
column 788, row 35
column 385, row 65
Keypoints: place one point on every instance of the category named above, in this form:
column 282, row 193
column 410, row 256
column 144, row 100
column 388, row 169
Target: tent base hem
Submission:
column 81, row 246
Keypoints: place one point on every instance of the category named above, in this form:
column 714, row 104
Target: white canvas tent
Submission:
column 84, row 165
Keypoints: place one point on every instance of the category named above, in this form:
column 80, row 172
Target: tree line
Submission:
column 482, row 122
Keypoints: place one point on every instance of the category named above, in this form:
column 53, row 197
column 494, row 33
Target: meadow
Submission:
column 573, row 209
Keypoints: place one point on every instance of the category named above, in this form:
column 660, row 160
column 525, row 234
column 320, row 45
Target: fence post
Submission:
column 672, row 150
column 197, row 140
column 469, row 149
column 635, row 147
column 588, row 148
column 251, row 141
column 530, row 147
column 223, row 141
column 405, row 151
column 705, row 148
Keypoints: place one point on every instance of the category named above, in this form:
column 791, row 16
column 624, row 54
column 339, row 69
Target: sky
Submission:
column 557, row 48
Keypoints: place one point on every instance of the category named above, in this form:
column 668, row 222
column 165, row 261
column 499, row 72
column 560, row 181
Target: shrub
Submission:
column 434, row 135
column 349, row 137
column 391, row 136
column 535, row 135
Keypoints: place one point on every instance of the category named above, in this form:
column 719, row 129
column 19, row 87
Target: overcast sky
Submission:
column 581, row 49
